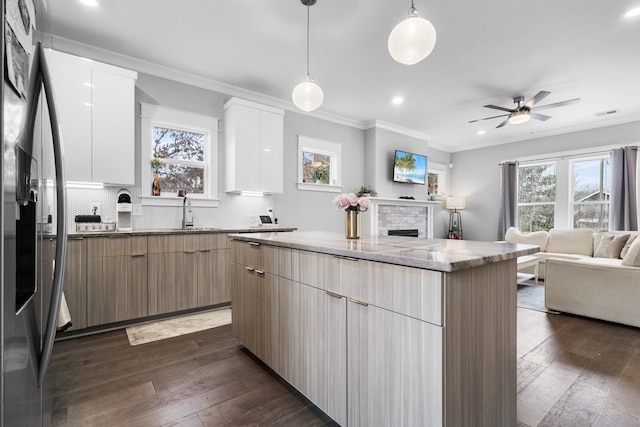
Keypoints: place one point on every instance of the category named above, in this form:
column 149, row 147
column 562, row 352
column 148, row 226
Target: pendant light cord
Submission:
column 308, row 6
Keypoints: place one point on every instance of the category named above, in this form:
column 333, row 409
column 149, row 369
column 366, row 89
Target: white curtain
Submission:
column 508, row 197
column 623, row 211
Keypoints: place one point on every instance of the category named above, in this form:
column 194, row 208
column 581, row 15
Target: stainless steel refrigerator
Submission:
column 33, row 220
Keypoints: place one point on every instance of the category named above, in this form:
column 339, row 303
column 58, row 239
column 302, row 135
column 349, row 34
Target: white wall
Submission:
column 476, row 174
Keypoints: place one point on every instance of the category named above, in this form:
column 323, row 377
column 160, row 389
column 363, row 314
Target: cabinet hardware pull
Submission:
column 359, row 302
column 254, row 243
column 259, row 271
column 249, row 268
column 205, row 250
column 137, row 255
column 331, row 294
column 348, row 258
column 189, row 252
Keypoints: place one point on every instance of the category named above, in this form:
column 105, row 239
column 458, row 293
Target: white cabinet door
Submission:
column 72, row 88
column 113, row 128
column 271, row 152
column 96, row 108
column 254, row 147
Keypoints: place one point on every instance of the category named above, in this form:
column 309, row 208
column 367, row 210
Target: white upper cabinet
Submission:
column 254, row 135
column 96, row 105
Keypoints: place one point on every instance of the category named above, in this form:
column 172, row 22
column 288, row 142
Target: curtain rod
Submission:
column 568, row 156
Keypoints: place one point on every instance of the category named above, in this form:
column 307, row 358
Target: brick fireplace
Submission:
column 399, row 214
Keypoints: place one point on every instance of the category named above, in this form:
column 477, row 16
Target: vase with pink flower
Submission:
column 352, row 205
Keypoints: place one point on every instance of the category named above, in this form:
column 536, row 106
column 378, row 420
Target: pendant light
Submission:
column 412, row 40
column 307, row 95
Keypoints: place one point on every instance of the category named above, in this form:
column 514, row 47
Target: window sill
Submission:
column 197, row 202
column 307, row 186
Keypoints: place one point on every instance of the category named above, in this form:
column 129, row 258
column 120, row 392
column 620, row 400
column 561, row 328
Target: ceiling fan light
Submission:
column 519, row 117
column 412, row 40
column 307, row 96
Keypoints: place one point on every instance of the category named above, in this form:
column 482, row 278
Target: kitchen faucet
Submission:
column 186, row 204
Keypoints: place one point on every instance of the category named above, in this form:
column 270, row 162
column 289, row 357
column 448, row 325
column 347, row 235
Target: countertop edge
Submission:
column 514, row 251
column 161, row 231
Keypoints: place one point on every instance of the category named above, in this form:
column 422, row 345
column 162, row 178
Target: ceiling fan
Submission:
column 524, row 111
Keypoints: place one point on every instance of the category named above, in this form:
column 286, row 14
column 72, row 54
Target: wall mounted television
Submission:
column 409, row 168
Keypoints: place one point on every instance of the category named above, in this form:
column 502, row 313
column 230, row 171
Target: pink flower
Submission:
column 364, row 203
column 351, row 202
column 353, row 199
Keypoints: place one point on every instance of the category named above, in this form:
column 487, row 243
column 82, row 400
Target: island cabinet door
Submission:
column 312, row 349
column 247, row 301
column 394, row 369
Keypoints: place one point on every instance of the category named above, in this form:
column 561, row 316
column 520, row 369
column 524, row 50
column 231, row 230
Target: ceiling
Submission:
column 486, row 53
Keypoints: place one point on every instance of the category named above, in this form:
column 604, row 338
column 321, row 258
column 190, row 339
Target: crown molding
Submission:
column 98, row 54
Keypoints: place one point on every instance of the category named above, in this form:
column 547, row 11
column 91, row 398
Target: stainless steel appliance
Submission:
column 32, row 188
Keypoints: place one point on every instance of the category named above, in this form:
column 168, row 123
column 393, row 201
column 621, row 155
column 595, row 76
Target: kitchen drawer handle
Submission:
column 249, row 268
column 331, row 294
column 348, row 258
column 359, row 302
column 259, row 271
column 117, row 236
column 254, row 243
column 205, row 250
column 138, row 255
column 189, row 252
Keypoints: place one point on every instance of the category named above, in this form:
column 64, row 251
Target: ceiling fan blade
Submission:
column 502, row 124
column 497, row 107
column 488, row 118
column 542, row 117
column 537, row 98
column 558, row 104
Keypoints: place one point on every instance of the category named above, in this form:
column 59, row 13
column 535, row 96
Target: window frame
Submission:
column 443, row 180
column 553, row 204
column 571, row 202
column 157, row 116
column 326, row 148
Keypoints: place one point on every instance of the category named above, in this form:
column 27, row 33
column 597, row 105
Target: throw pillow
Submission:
column 632, row 258
column 611, row 245
column 513, row 235
column 627, row 245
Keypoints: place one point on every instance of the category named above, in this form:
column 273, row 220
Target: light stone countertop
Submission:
column 190, row 230
column 431, row 254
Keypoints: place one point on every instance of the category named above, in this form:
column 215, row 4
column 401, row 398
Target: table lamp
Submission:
column 455, row 219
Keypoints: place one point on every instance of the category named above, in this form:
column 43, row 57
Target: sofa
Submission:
column 593, row 274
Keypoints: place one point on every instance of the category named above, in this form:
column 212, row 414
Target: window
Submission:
column 536, row 197
column 180, row 149
column 180, row 154
column 438, row 182
column 319, row 165
column 590, row 194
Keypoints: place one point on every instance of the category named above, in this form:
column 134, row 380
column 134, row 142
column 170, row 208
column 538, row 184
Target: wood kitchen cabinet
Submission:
column 75, row 282
column 117, row 272
column 254, row 140
column 96, row 108
column 172, row 273
column 212, row 262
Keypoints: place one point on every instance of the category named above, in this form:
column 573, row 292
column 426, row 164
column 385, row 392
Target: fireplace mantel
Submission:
column 371, row 222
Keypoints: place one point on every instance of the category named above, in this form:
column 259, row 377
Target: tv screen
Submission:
column 410, row 168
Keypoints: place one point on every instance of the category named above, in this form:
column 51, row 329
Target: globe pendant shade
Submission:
column 412, row 40
column 307, row 96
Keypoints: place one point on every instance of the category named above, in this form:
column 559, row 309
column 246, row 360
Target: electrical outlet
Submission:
column 95, row 208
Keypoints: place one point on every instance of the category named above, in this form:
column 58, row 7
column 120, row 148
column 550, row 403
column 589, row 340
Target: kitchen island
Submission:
column 383, row 330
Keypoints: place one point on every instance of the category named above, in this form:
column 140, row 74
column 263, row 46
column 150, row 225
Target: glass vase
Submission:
column 352, row 225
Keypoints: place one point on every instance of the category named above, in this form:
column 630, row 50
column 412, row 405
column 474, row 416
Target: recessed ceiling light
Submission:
column 92, row 3
column 632, row 13
column 481, row 132
column 397, row 100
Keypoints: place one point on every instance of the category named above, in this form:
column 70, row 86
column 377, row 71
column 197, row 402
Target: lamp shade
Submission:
column 412, row 40
column 455, row 203
column 307, row 95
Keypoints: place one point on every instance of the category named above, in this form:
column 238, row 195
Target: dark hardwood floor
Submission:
column 571, row 372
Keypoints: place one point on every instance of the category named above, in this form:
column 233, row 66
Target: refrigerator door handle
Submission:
column 43, row 77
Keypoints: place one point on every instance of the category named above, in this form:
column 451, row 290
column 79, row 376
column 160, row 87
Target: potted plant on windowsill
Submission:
column 366, row 191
